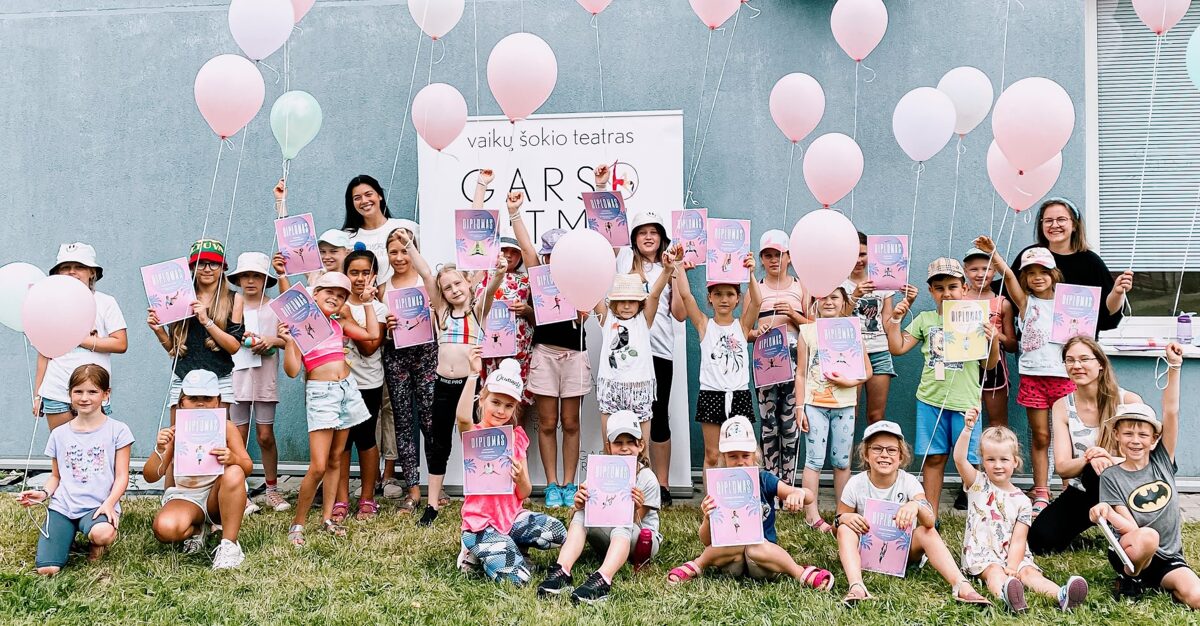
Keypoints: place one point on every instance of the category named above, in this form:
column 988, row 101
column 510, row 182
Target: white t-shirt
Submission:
column 1039, row 357
column 869, row 310
column 375, row 239
column 367, row 370
column 58, row 372
column 859, row 488
column 662, row 333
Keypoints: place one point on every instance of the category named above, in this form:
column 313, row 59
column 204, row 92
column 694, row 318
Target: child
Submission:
column 366, row 365
column 1043, row 376
column 625, row 438
column 784, row 303
column 724, row 372
column 108, row 337
column 256, row 388
column 885, row 454
column 980, row 275
column 191, row 503
column 331, row 395
column 766, row 560
column 626, row 378
column 829, row 405
column 1139, row 499
column 334, row 245
column 496, row 531
column 998, row 519
column 89, row 471
column 872, row 308
column 946, row 390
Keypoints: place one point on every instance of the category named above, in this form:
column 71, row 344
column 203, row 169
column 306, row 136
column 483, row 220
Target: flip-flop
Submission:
column 683, row 573
column 852, row 599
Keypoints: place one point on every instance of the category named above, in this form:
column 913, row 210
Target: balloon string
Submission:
column 237, row 176
column 912, row 232
column 712, row 108
column 475, row 24
column 1004, row 44
column 429, row 78
column 404, row 119
column 954, row 205
column 1137, row 216
column 442, row 43
column 854, row 129
column 787, row 190
column 1187, row 249
column 600, row 68
column 699, row 108
column 43, row 529
column 756, row 10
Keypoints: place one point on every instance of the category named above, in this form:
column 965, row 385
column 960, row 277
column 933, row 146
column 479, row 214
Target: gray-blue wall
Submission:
column 103, row 142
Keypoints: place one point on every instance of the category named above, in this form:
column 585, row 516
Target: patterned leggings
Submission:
column 780, row 436
column 503, row 556
column 410, row 373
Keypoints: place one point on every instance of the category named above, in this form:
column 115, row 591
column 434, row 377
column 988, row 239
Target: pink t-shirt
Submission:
column 479, row 512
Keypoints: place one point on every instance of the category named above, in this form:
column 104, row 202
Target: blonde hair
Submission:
column 437, row 282
column 757, row 457
column 1001, row 435
column 219, row 312
column 906, row 453
column 483, row 393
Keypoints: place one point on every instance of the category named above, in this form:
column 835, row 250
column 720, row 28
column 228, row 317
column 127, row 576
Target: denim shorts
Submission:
column 881, row 363
column 54, row 407
column 334, row 404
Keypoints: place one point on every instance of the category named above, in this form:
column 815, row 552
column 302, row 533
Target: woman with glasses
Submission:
column 1084, row 444
column 1060, row 228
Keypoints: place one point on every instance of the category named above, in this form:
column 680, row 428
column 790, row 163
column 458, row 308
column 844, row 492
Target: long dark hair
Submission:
column 1078, row 236
column 353, row 220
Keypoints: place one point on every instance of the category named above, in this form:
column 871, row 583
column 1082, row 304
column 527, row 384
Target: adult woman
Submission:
column 108, row 337
column 1060, row 228
column 1084, row 444
column 369, row 222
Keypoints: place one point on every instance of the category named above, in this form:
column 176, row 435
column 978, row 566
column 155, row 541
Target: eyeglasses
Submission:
column 1086, row 360
column 208, row 265
column 1055, row 221
column 881, row 450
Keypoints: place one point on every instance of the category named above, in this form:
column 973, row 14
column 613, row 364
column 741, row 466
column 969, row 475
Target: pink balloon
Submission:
column 229, row 93
column 260, row 27
column 858, row 26
column 1021, row 191
column 1161, row 15
column 521, row 71
column 300, row 8
column 583, row 268
column 715, row 12
column 58, row 314
column 439, row 113
column 797, row 104
column 824, row 247
column 832, row 167
column 923, row 122
column 595, row 6
column 1032, row 121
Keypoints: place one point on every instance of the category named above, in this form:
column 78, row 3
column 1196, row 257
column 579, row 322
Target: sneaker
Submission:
column 556, row 583
column 568, row 494
column 392, row 489
column 960, row 501
column 195, row 543
column 593, row 590
column 643, row 548
column 228, row 555
column 1013, row 594
column 1072, row 594
column 428, row 516
column 466, row 563
column 276, row 501
column 664, row 497
column 251, row 508
column 553, row 495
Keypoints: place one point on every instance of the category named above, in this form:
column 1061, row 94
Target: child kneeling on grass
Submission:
column 1139, row 499
column 496, row 531
column 766, row 560
column 885, row 454
column 194, row 502
column 995, row 544
column 624, row 435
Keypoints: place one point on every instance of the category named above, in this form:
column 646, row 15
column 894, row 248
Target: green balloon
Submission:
column 295, row 120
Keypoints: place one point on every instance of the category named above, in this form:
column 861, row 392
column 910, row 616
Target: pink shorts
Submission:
column 1041, row 392
column 559, row 372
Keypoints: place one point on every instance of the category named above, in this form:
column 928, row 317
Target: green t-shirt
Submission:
column 961, row 386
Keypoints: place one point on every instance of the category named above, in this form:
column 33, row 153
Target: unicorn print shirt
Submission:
column 992, row 515
column 723, row 364
column 86, row 465
column 1039, row 357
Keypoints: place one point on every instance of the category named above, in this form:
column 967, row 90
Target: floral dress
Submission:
column 515, row 288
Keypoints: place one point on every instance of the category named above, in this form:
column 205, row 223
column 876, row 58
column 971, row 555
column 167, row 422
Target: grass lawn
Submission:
column 391, row 571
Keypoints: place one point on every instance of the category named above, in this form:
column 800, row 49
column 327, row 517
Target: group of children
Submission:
column 346, row 378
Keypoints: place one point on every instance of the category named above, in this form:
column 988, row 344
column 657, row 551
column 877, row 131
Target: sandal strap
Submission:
column 368, row 505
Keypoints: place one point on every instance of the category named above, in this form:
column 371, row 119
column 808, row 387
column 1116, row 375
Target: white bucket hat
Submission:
column 627, row 287
column 80, row 253
column 644, row 217
column 256, row 262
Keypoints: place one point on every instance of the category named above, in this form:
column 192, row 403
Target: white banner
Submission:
column 551, row 159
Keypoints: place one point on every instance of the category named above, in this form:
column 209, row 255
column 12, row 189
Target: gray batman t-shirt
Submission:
column 1149, row 494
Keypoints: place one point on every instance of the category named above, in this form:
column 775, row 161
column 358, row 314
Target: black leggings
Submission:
column 440, row 437
column 1067, row 517
column 660, row 417
column 363, row 435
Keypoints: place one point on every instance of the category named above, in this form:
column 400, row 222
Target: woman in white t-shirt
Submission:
column 108, row 337
column 369, row 222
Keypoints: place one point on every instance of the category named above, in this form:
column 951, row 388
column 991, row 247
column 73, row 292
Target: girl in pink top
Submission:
column 495, row 529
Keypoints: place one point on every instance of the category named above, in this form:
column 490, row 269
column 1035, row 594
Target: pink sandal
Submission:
column 821, row 526
column 366, row 510
column 817, row 578
column 340, row 511
column 683, row 573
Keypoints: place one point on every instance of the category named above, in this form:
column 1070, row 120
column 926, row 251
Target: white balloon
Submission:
column 15, row 280
column 260, row 27
column 436, row 17
column 923, row 122
column 971, row 92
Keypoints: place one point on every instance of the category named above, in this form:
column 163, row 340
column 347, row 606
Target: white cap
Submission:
column 883, row 426
column 332, row 280
column 737, row 435
column 336, row 238
column 506, row 379
column 80, row 253
column 256, row 262
column 623, row 423
column 202, row 383
column 774, row 240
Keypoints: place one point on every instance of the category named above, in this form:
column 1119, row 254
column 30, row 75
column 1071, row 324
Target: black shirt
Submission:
column 200, row 357
column 567, row 334
column 1084, row 268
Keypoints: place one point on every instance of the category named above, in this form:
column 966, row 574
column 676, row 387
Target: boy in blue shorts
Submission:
column 947, row 390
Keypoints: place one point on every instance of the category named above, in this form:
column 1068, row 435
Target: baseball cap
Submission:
column 1139, row 412
column 207, row 250
column 506, row 379
column 974, row 253
column 775, row 240
column 883, row 427
column 945, row 266
column 549, row 238
column 1038, row 256
column 201, row 383
column 336, row 238
column 737, row 435
column 332, row 280
column 623, row 423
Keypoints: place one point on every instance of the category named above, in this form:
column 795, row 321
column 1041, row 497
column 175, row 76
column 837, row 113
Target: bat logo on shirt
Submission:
column 1151, row 497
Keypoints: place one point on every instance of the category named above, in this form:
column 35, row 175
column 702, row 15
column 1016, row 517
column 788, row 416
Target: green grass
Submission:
column 391, row 571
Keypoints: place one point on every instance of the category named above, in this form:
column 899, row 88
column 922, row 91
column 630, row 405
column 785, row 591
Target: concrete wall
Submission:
column 104, row 143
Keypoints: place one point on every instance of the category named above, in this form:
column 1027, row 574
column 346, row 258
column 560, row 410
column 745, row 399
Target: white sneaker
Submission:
column 276, row 501
column 228, row 555
column 251, row 508
column 392, row 489
column 195, row 543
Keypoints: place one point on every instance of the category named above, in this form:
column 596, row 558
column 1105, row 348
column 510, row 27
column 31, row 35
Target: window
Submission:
column 1167, row 250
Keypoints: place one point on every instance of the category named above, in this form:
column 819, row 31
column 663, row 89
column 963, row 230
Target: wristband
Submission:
column 209, row 324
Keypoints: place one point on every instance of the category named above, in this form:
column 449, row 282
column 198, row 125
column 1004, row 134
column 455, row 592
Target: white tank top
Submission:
column 724, row 362
column 625, row 355
column 1082, row 435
